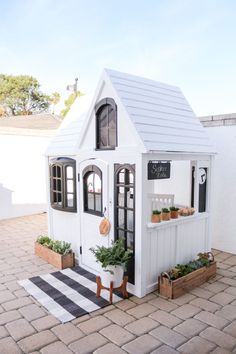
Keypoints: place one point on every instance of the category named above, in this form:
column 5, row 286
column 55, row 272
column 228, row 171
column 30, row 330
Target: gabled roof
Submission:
column 161, row 115
column 67, row 138
column 43, row 121
column 162, row 118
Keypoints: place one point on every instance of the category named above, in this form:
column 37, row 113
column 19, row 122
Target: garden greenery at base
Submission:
column 60, row 247
column 181, row 270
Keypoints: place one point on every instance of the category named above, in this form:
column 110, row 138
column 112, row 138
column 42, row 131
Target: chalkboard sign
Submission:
column 158, row 170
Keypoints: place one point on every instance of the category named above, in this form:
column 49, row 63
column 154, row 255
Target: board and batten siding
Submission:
column 173, row 242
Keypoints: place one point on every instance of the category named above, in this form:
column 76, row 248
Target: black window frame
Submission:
column 62, row 163
column 99, row 107
column 127, row 185
column 86, row 172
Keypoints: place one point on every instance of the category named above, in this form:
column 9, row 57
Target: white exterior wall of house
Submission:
column 222, row 131
column 22, row 176
column 154, row 122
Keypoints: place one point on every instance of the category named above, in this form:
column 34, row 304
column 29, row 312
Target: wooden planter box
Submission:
column 175, row 288
column 56, row 259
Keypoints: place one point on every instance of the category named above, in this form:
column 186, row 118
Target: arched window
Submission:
column 106, row 124
column 63, row 184
column 92, row 179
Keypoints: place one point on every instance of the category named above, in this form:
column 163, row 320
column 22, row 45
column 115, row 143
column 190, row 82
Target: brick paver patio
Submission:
column 203, row 321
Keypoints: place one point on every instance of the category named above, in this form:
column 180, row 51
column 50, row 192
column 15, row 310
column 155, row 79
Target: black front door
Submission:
column 125, row 210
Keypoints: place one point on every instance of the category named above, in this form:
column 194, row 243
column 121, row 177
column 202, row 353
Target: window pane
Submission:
column 112, row 137
column 121, row 195
column 98, row 206
column 54, row 171
column 90, row 186
column 70, row 200
column 130, row 240
column 59, row 199
column 70, row 186
column 54, row 195
column 97, row 184
column 121, row 218
column 59, row 185
column 121, row 176
column 54, row 184
column 121, row 234
column 58, row 171
column 91, row 201
column 130, row 220
column 112, row 117
column 103, row 127
column 69, row 172
column 131, row 178
column 130, row 198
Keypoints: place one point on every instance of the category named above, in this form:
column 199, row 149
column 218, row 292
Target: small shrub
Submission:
column 156, row 212
column 165, row 210
column 115, row 255
column 174, row 208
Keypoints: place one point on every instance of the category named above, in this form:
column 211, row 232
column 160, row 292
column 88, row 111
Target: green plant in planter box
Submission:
column 60, row 247
column 116, row 255
column 180, row 270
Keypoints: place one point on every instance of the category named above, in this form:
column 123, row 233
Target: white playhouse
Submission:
column 136, row 146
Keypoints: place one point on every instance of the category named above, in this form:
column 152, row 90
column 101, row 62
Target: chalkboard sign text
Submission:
column 158, row 170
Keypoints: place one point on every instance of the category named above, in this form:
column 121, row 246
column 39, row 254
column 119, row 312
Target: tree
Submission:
column 55, row 99
column 21, row 95
column 68, row 103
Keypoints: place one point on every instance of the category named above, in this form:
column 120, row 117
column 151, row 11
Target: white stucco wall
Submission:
column 224, row 189
column 22, row 175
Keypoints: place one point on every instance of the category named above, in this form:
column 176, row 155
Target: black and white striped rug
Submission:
column 68, row 294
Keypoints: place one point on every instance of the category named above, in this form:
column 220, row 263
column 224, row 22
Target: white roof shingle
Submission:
column 161, row 114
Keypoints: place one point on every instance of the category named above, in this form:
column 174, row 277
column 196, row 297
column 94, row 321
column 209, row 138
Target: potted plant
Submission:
column 165, row 214
column 174, row 212
column 184, row 277
column 113, row 261
column 156, row 216
column 57, row 253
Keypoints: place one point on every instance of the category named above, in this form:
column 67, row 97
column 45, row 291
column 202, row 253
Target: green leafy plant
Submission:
column 181, row 270
column 43, row 239
column 174, row 208
column 60, row 247
column 116, row 255
column 156, row 212
column 165, row 210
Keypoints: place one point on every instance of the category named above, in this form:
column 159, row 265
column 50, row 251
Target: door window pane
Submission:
column 91, row 201
column 130, row 241
column 98, row 202
column 121, row 218
column 130, row 220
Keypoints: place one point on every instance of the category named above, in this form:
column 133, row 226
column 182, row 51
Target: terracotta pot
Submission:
column 165, row 216
column 174, row 214
column 156, row 218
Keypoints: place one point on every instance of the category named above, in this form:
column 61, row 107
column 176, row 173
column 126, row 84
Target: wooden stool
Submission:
column 121, row 288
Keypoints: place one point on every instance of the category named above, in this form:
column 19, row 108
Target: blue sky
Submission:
column 191, row 44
